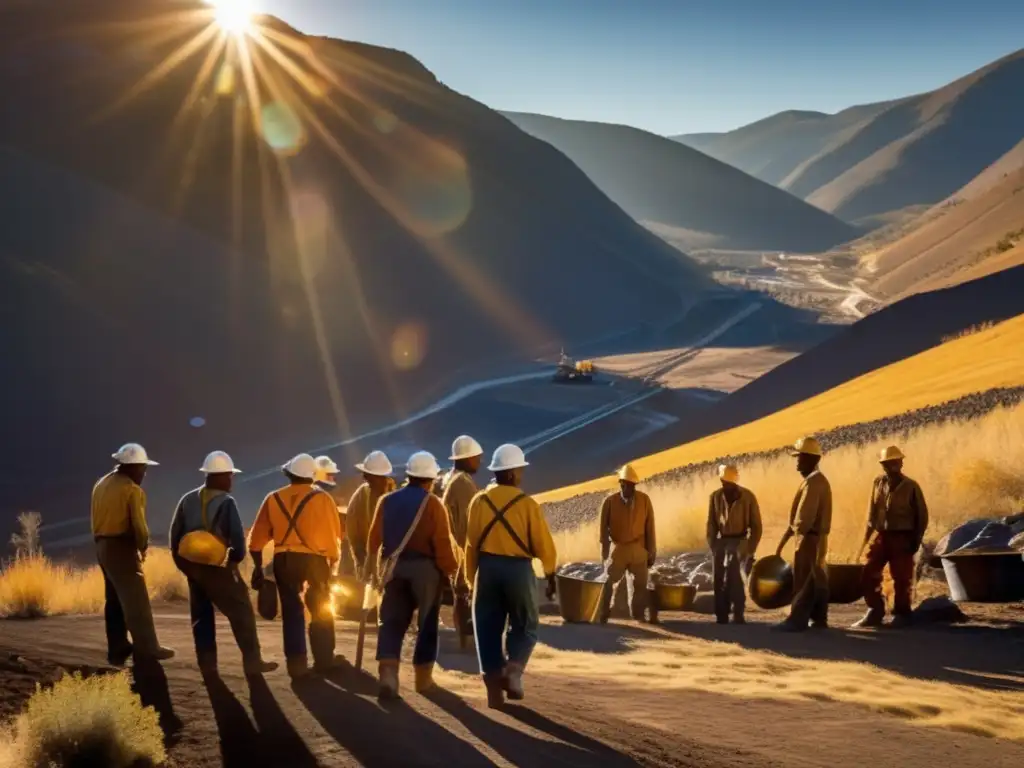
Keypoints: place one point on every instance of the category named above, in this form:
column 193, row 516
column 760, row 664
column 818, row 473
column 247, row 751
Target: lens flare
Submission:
column 233, row 16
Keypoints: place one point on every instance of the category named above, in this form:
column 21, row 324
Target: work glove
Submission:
column 461, row 589
column 551, row 590
column 257, row 579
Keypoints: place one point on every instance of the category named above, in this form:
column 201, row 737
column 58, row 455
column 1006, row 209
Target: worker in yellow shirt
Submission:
column 302, row 522
column 376, row 470
column 121, row 534
column 505, row 532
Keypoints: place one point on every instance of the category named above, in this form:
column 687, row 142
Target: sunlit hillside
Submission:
column 974, row 363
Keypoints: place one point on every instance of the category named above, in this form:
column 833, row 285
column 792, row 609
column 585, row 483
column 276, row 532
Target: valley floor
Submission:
column 687, row 693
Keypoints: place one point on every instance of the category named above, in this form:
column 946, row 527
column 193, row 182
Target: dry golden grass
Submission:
column 971, row 364
column 677, row 663
column 966, row 469
column 92, row 721
column 32, row 587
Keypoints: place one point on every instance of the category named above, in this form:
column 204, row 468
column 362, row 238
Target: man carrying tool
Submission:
column 627, row 546
column 118, row 518
column 207, row 543
column 376, row 470
column 734, row 531
column 410, row 528
column 303, row 524
column 458, row 490
column 505, row 532
column 810, row 520
column 897, row 520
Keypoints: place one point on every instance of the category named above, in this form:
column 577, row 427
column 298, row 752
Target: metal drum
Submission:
column 674, row 597
column 771, row 582
column 844, row 585
column 985, row 578
column 578, row 598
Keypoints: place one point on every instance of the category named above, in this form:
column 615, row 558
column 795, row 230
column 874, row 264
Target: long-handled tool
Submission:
column 369, row 598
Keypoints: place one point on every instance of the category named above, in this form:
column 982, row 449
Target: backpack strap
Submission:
column 499, row 517
column 387, row 568
column 294, row 519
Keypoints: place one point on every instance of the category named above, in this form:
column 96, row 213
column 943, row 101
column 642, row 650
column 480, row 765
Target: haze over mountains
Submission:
column 700, row 201
column 877, row 158
column 344, row 249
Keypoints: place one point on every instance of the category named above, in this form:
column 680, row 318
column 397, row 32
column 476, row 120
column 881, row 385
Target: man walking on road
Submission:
column 410, row 528
column 302, row 522
column 810, row 520
column 118, row 518
column 897, row 520
column 733, row 531
column 506, row 531
column 208, row 542
column 377, row 481
column 628, row 545
column 458, row 487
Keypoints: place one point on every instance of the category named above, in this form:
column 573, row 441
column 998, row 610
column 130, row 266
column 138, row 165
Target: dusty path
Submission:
column 615, row 696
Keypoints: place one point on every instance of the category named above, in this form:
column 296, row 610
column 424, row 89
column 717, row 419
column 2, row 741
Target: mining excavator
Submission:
column 573, row 371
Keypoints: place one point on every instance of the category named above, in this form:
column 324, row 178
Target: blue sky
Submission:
column 677, row 66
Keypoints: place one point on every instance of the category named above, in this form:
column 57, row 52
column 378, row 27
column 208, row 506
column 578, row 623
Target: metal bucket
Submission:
column 844, row 583
column 770, row 584
column 985, row 578
column 674, row 597
column 578, row 598
column 266, row 600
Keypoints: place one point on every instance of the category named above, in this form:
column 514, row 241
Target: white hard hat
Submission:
column 465, row 447
column 376, row 463
column 302, row 466
column 218, row 463
column 423, row 466
column 326, row 464
column 507, row 457
column 132, row 453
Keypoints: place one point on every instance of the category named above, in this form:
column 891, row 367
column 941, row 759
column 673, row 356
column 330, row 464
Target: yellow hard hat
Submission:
column 629, row 474
column 808, row 445
column 728, row 473
column 202, row 547
column 890, row 454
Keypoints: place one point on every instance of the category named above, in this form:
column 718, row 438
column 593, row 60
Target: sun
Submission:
column 233, row 16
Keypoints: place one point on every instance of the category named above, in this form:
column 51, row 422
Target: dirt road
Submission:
column 598, row 696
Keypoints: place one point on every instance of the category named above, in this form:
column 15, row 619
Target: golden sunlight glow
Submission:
column 233, row 16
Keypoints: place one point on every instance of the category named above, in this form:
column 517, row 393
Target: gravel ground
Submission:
column 569, row 513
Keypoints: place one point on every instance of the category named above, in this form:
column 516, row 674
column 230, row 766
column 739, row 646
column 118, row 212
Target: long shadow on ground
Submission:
column 376, row 735
column 977, row 656
column 149, row 681
column 521, row 748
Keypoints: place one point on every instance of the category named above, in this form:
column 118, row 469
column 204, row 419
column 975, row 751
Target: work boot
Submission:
column 495, row 684
column 121, row 657
column 901, row 621
column 298, row 667
column 721, row 619
column 424, row 678
column 789, row 626
column 738, row 619
column 258, row 667
column 334, row 663
column 513, row 681
column 819, row 624
column 387, row 676
column 872, row 618
column 160, row 654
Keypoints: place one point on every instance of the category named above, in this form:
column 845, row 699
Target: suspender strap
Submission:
column 499, row 517
column 294, row 519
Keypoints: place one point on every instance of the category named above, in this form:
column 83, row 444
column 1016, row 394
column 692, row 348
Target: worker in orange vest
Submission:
column 302, row 522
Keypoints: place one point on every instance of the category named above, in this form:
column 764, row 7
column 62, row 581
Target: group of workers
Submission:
column 412, row 543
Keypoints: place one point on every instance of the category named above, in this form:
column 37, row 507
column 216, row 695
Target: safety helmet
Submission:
column 132, row 453
column 423, row 466
column 302, row 466
column 808, row 445
column 628, row 474
column 892, row 453
column 465, row 447
column 728, row 473
column 507, row 457
column 218, row 463
column 325, row 467
column 376, row 463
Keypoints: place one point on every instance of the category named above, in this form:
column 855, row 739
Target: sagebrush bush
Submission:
column 86, row 723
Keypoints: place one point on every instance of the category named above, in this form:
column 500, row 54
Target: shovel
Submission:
column 369, row 598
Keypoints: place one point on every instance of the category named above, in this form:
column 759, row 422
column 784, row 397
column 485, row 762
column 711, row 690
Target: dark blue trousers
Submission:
column 415, row 587
column 504, row 595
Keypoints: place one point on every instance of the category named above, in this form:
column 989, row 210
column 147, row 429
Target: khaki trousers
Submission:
column 810, row 581
column 628, row 558
column 127, row 608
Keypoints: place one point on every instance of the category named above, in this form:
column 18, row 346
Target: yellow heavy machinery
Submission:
column 574, row 371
